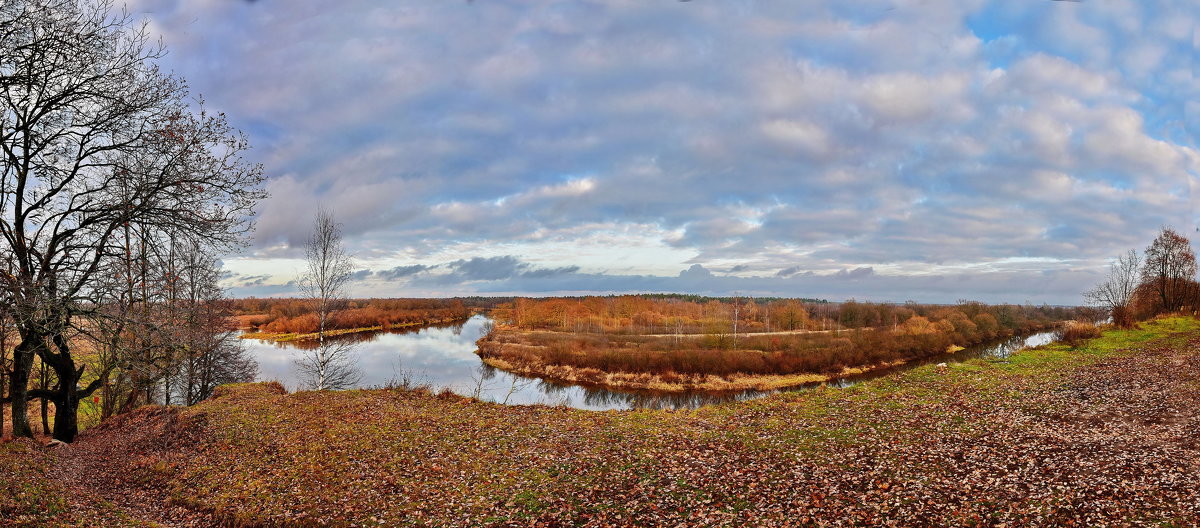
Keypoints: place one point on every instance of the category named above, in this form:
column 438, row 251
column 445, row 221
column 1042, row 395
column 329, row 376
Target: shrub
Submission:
column 1076, row 334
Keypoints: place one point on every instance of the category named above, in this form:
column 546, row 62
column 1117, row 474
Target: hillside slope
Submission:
column 1106, row 434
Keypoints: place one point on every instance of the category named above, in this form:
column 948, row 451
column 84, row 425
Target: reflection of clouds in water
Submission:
column 274, row 363
column 1014, row 344
column 444, row 357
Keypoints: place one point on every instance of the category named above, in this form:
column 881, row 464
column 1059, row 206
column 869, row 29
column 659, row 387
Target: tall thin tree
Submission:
column 328, row 270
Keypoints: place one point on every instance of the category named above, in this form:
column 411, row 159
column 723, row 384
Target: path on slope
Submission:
column 127, row 463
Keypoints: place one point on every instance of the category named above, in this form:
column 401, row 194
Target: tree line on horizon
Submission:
column 300, row 315
column 642, row 314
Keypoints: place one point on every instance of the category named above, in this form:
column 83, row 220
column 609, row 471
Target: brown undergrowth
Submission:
column 753, row 362
column 670, row 381
column 296, row 319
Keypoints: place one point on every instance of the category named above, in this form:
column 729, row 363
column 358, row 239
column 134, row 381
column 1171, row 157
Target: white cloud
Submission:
column 863, row 134
column 807, row 137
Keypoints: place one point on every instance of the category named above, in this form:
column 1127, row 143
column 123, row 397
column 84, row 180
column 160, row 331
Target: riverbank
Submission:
column 284, row 337
column 1099, row 435
column 590, row 377
column 657, row 363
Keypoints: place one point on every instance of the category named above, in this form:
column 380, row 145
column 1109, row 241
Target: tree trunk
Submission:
column 45, row 417
column 44, row 382
column 18, row 387
column 3, row 378
column 66, row 411
column 66, row 399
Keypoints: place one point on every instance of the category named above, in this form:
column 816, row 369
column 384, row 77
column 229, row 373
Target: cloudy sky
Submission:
column 880, row 149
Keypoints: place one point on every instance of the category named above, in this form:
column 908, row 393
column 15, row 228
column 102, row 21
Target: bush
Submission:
column 1076, row 334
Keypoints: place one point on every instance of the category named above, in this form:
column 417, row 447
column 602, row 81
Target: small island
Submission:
column 686, row 343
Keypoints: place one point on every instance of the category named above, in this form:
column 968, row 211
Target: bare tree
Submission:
column 210, row 354
column 480, row 376
column 518, row 384
column 1169, row 265
column 737, row 308
column 94, row 138
column 328, row 268
column 1115, row 292
column 328, row 366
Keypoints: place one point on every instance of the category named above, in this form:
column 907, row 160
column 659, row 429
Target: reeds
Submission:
column 816, row 353
column 1075, row 334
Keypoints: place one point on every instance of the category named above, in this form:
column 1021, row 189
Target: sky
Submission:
column 883, row 150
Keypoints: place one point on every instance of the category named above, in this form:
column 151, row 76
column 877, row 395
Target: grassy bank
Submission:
column 671, row 382
column 1099, row 435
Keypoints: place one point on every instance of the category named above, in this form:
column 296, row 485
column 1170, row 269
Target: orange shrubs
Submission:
column 882, row 334
column 296, row 316
column 1076, row 334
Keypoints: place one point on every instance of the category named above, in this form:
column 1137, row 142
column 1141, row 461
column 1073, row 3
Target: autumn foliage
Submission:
column 670, row 337
column 1160, row 281
column 297, row 316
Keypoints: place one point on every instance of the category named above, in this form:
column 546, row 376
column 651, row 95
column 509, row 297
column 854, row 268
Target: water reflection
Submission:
column 443, row 356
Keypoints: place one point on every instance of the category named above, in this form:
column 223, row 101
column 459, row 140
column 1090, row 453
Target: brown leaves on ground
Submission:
column 1052, row 437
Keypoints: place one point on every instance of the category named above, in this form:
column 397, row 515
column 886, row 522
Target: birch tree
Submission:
column 328, row 366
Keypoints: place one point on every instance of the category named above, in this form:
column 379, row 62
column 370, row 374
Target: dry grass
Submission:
column 668, row 382
column 296, row 317
column 666, row 363
column 1076, row 333
column 311, row 336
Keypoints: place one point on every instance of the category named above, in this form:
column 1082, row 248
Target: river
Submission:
column 443, row 356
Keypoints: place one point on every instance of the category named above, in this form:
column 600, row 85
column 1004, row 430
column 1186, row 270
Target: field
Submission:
column 1100, row 435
